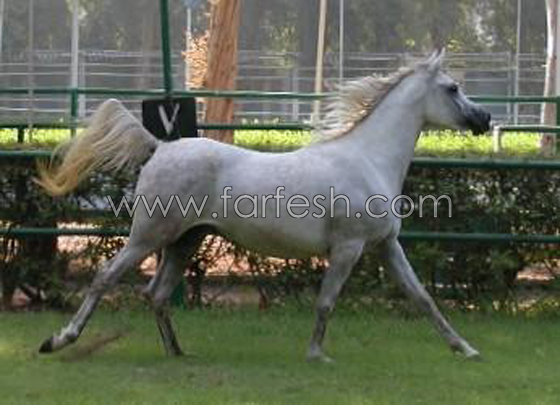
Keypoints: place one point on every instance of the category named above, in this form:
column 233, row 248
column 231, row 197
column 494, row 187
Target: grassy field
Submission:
column 250, row 357
column 434, row 143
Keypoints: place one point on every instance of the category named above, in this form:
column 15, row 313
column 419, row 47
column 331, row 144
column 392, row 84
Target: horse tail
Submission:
column 113, row 140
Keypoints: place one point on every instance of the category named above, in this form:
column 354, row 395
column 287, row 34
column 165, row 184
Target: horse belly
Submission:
column 297, row 239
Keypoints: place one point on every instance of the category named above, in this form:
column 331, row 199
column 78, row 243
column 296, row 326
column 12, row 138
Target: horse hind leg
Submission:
column 175, row 259
column 168, row 276
column 129, row 257
column 341, row 261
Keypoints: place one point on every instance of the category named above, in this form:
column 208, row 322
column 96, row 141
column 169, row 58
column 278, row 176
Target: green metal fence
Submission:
column 74, row 93
column 168, row 91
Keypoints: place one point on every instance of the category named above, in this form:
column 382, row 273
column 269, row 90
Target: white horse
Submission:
column 372, row 126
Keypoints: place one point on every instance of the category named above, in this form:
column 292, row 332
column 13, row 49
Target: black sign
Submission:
column 170, row 118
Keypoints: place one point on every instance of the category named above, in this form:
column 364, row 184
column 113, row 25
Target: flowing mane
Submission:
column 355, row 100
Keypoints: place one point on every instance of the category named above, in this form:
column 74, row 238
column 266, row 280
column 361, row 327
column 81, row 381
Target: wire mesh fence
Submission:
column 116, row 45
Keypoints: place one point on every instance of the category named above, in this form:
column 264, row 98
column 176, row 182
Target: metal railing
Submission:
column 494, row 73
column 74, row 94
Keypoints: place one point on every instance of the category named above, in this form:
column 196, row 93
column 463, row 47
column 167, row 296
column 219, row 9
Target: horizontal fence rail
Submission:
column 162, row 93
column 416, row 162
column 104, row 91
column 74, row 94
column 404, row 235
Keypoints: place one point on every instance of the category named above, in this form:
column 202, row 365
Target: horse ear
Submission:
column 434, row 61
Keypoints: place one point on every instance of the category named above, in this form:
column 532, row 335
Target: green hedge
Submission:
column 479, row 274
column 434, row 143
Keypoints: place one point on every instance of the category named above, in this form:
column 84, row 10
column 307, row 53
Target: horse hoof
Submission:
column 47, row 346
column 176, row 353
column 319, row 358
column 468, row 353
column 473, row 355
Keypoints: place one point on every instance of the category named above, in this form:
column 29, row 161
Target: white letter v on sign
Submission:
column 167, row 123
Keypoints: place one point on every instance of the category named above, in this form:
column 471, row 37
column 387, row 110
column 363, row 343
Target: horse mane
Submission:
column 355, row 100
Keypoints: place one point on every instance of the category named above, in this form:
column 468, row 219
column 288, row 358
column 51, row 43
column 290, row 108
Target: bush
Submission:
column 34, row 263
column 488, row 201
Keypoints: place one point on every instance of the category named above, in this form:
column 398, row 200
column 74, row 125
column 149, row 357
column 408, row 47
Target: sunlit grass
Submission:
column 433, row 143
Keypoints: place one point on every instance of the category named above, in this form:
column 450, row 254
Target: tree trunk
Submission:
column 548, row 115
column 222, row 64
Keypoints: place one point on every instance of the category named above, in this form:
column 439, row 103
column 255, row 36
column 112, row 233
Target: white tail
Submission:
column 113, row 140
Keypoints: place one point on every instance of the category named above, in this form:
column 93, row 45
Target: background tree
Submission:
column 498, row 24
column 222, row 64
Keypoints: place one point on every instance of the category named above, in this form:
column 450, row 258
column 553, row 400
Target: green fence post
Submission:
column 73, row 110
column 165, row 47
column 21, row 134
column 557, row 103
column 177, row 298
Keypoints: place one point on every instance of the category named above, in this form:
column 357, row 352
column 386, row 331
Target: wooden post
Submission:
column 319, row 61
column 221, row 70
column 551, row 87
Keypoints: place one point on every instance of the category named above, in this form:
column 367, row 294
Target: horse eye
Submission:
column 453, row 88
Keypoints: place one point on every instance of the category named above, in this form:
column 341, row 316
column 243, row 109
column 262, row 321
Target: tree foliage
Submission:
column 290, row 26
column 500, row 22
column 396, row 26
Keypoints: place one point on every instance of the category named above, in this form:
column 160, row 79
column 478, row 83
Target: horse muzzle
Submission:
column 478, row 121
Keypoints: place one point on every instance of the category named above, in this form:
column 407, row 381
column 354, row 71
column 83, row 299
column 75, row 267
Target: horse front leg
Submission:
column 399, row 267
column 342, row 258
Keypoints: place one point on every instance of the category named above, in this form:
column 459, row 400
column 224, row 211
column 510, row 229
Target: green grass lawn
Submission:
column 245, row 356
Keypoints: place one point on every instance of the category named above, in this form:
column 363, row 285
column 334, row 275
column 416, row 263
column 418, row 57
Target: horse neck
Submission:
column 388, row 135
